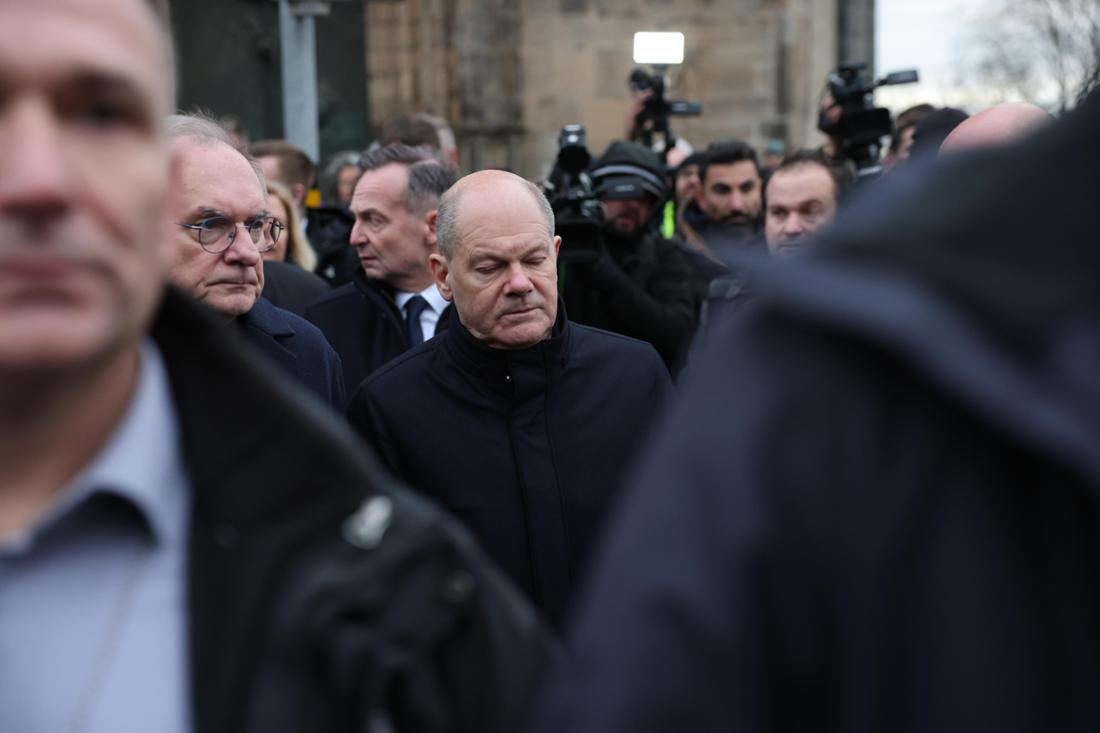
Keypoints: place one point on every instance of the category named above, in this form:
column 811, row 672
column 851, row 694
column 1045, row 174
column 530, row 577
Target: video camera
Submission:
column 577, row 213
column 862, row 125
column 652, row 120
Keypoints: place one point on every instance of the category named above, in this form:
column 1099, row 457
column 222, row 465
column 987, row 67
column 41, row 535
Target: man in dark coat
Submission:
column 877, row 508
column 221, row 194
column 391, row 303
column 635, row 282
column 186, row 543
column 291, row 288
column 517, row 420
column 298, row 347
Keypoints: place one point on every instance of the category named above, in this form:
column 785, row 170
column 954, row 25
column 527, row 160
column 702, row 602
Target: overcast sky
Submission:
column 929, row 35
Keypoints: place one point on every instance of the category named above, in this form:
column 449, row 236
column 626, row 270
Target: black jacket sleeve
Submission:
column 660, row 309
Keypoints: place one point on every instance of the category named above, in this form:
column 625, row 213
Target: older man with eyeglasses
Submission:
column 221, row 228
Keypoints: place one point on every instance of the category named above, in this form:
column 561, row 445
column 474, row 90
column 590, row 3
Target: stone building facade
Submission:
column 507, row 74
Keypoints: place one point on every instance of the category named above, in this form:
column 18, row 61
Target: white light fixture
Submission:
column 658, row 48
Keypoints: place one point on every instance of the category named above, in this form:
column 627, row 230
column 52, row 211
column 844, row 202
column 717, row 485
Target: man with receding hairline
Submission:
column 517, row 420
column 186, row 544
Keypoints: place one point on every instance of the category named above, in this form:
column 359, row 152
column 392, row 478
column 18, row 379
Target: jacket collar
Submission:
column 254, row 499
column 268, row 318
column 517, row 375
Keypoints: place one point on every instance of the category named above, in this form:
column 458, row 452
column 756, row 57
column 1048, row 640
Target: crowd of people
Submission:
column 750, row 445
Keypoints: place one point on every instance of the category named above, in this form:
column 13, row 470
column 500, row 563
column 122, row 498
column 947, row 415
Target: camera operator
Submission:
column 849, row 118
column 634, row 282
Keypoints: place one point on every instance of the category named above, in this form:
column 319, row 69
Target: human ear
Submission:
column 441, row 272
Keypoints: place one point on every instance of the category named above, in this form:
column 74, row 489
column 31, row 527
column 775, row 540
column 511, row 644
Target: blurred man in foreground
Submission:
column 897, row 526
column 184, row 544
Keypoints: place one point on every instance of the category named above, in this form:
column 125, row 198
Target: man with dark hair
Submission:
column 520, row 422
column 902, row 140
column 410, row 129
column 186, row 544
column 392, row 302
column 932, row 130
column 726, row 213
column 631, row 280
column 802, row 197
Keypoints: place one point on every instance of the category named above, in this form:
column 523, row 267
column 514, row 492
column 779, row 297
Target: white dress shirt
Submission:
column 429, row 317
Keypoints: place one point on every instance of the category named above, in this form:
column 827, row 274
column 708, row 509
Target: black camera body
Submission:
column 862, row 125
column 578, row 217
column 651, row 122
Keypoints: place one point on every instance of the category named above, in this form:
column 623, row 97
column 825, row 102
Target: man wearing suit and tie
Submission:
column 392, row 303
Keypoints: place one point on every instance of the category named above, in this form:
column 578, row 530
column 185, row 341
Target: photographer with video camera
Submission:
column 848, row 116
column 617, row 271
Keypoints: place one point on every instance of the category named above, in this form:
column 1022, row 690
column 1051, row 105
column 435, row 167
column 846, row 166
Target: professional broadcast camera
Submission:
column 577, row 214
column 862, row 125
column 651, row 122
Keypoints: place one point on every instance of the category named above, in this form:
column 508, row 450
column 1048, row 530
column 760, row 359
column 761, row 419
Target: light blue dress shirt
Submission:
column 93, row 630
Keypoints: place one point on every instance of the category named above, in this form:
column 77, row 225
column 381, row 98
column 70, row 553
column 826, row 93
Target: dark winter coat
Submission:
column 878, row 506
column 526, row 447
column 290, row 287
column 362, row 322
column 329, row 233
column 640, row 288
column 298, row 347
column 302, row 618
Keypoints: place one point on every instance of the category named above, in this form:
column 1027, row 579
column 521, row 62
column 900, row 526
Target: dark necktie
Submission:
column 413, row 309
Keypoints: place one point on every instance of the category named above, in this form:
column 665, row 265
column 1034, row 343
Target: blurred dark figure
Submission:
column 1001, row 124
column 901, row 142
column 520, row 422
column 726, row 214
column 932, row 130
column 896, row 526
column 338, row 178
column 635, row 282
column 330, row 224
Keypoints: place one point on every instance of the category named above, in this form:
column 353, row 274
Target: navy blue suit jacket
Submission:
column 298, row 347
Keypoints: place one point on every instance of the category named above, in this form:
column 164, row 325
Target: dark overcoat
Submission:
column 527, row 447
column 306, row 613
column 362, row 322
column 298, row 347
column 878, row 506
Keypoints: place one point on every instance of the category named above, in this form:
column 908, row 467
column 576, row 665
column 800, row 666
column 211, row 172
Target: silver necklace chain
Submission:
column 109, row 644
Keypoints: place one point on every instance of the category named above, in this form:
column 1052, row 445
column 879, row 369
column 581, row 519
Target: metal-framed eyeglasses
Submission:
column 216, row 234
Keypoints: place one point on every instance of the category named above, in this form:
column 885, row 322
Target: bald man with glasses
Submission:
column 222, row 228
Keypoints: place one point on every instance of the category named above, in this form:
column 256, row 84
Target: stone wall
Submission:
column 509, row 74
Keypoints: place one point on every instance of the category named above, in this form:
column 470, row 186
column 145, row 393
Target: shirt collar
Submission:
column 431, row 294
column 141, row 461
